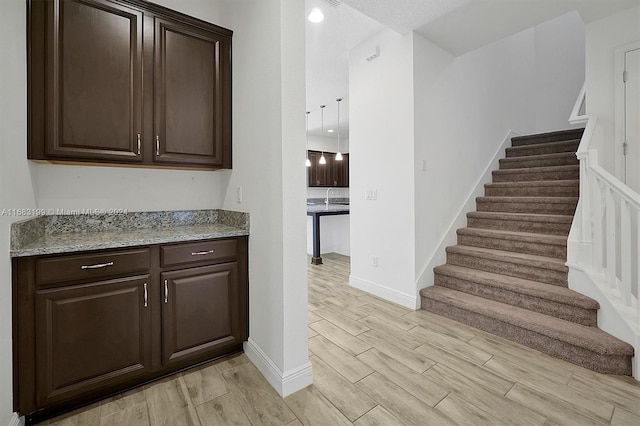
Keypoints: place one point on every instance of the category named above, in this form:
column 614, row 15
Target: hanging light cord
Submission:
column 338, row 154
column 322, row 159
column 308, row 163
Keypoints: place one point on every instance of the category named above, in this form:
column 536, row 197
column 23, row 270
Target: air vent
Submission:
column 334, row 3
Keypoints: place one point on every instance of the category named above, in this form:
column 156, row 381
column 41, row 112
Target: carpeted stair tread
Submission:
column 549, row 200
column 511, row 257
column 536, row 174
column 545, row 148
column 545, row 269
column 544, row 205
column 530, row 217
column 547, row 137
column 590, row 338
column 542, row 160
column 521, row 222
column 516, row 241
column 523, row 293
column 520, row 285
column 542, row 188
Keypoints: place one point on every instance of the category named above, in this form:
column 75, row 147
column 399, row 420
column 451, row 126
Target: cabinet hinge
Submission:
column 624, row 148
column 624, row 76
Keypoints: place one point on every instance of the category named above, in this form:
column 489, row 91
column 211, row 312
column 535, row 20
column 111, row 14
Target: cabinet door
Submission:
column 201, row 312
column 335, row 171
column 345, row 170
column 192, row 95
column 92, row 336
column 91, row 51
column 317, row 173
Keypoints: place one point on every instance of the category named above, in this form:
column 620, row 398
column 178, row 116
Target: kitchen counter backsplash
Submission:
column 28, row 235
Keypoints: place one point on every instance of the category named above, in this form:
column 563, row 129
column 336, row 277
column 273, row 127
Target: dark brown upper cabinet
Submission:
column 332, row 174
column 127, row 82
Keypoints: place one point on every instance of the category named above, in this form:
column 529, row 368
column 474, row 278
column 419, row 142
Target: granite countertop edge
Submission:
column 33, row 238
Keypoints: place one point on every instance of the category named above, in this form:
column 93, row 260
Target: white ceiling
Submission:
column 458, row 26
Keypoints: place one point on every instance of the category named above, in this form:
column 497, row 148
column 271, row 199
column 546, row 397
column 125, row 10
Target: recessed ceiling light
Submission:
column 316, row 15
column 330, row 130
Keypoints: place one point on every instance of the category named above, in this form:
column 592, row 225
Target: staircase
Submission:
column 507, row 275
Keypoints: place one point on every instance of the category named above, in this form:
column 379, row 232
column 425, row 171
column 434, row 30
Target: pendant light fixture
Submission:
column 338, row 154
column 308, row 162
column 322, row 159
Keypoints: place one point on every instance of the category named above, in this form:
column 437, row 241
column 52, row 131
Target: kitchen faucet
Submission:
column 327, row 199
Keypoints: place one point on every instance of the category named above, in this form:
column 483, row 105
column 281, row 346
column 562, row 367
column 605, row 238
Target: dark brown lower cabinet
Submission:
column 120, row 318
column 198, row 312
column 90, row 336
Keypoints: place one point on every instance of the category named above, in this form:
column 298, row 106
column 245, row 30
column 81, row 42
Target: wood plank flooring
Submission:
column 377, row 363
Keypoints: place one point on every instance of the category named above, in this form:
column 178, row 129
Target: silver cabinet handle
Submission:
column 157, row 146
column 201, row 253
column 138, row 143
column 97, row 265
column 146, row 298
column 166, row 291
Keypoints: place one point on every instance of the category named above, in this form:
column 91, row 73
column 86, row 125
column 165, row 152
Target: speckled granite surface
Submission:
column 314, row 201
column 71, row 233
column 330, row 208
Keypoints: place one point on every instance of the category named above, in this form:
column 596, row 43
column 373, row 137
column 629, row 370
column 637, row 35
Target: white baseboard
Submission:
column 395, row 296
column 285, row 383
column 16, row 420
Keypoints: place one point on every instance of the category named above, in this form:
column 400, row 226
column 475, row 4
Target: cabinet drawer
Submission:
column 91, row 266
column 218, row 250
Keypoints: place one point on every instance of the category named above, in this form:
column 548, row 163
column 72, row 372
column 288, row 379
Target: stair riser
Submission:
column 524, row 163
column 575, row 314
column 546, row 138
column 504, row 267
column 534, row 208
column 521, row 226
column 541, row 149
column 532, row 191
column 532, row 175
column 615, row 364
column 525, row 247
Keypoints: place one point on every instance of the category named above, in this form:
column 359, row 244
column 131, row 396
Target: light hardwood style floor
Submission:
column 377, row 363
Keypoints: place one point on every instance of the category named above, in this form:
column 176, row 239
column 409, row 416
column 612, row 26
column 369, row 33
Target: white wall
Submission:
column 602, row 38
column 268, row 69
column 277, row 253
column 328, row 143
column 381, row 158
column 560, row 70
column 16, row 186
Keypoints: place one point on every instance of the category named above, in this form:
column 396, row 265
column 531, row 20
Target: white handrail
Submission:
column 608, row 212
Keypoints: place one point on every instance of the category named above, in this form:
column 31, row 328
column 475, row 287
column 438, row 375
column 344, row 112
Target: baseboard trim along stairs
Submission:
column 507, row 274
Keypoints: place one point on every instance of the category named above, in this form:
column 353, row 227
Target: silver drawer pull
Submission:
column 201, row 253
column 146, row 298
column 97, row 265
column 166, row 291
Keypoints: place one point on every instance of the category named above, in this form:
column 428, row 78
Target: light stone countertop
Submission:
column 56, row 234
